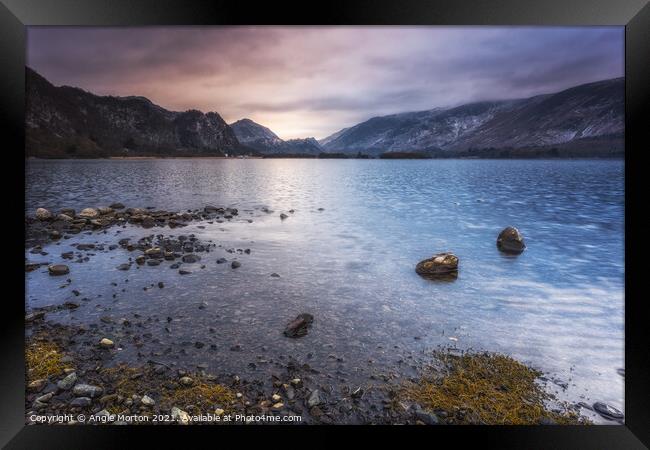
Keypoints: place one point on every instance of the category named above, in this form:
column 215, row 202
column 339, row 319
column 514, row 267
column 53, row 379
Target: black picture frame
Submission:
column 15, row 15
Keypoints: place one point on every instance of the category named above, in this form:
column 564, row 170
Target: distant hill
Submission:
column 67, row 122
column 265, row 141
column 592, row 112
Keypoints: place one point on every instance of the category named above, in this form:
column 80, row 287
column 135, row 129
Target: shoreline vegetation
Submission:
column 71, row 369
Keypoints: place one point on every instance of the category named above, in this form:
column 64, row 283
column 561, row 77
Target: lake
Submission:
column 347, row 255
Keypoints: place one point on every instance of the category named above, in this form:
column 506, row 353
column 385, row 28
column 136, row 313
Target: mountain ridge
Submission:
column 265, row 141
column 67, row 122
column 587, row 110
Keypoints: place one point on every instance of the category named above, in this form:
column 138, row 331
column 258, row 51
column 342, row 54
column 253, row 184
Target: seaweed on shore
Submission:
column 486, row 388
column 43, row 359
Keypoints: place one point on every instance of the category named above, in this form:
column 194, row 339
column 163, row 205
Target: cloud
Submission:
column 313, row 81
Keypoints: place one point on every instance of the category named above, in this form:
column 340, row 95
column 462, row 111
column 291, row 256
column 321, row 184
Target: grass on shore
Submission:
column 485, row 388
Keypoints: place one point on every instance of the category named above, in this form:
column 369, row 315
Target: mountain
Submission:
column 267, row 142
column 592, row 112
column 70, row 122
column 256, row 136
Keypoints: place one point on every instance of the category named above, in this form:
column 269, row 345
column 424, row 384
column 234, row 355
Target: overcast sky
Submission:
column 313, row 81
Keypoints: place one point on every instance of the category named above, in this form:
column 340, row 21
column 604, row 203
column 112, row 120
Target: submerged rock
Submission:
column 298, row 326
column 511, row 241
column 442, row 265
column 58, row 269
column 190, row 258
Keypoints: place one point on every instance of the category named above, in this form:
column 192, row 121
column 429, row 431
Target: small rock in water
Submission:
column 607, row 411
column 275, row 275
column 511, row 241
column 43, row 214
column 283, row 216
column 106, row 343
column 58, row 269
column 440, row 266
column 235, row 264
column 89, row 213
column 124, row 266
column 191, row 258
column 313, row 399
column 222, row 260
column 298, row 327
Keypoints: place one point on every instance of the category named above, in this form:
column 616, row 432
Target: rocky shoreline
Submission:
column 72, row 369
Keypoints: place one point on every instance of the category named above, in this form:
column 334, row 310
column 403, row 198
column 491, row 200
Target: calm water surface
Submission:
column 559, row 306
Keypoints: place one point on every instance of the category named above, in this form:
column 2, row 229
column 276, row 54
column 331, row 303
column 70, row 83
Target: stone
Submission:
column 442, row 265
column 43, row 214
column 67, row 383
column 153, row 252
column 235, row 264
column 148, row 222
column 36, row 385
column 275, row 275
column 106, row 343
column 87, row 390
column 64, row 218
column 219, row 412
column 89, row 213
column 45, row 398
column 426, row 417
column 58, row 269
column 147, row 401
column 283, row 216
column 125, row 266
column 190, row 258
column 180, row 416
column 186, row 381
column 140, row 260
column 81, row 402
column 298, row 327
column 276, row 398
column 222, row 260
column 278, row 405
column 103, row 210
column 511, row 241
column 116, row 205
column 607, row 411
column 313, row 399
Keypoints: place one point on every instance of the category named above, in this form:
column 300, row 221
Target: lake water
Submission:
column 559, row 306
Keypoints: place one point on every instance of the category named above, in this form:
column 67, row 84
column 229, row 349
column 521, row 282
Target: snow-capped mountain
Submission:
column 583, row 112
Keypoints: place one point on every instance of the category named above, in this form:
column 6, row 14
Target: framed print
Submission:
column 406, row 214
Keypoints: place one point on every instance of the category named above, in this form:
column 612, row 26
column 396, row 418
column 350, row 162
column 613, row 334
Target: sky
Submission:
column 313, row 81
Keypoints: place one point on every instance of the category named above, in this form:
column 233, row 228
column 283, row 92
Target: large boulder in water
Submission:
column 511, row 241
column 442, row 265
